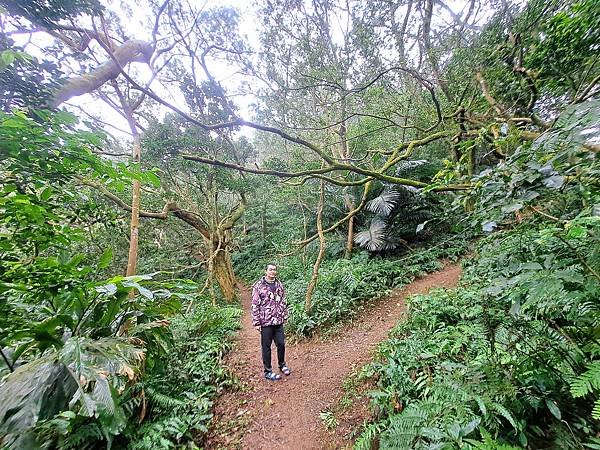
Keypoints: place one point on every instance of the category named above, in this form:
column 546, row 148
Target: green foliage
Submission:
column 504, row 359
column 25, row 81
column 328, row 419
column 588, row 382
column 395, row 205
column 566, row 46
column 49, row 13
column 346, row 286
column 73, row 347
column 181, row 388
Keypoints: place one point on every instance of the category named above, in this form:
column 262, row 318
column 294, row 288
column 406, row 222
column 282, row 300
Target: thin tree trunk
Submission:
column 135, row 203
column 305, row 228
column 315, row 274
column 134, row 230
column 210, row 273
column 263, row 220
column 350, row 240
column 348, row 200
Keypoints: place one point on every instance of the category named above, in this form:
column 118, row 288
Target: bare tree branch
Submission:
column 130, row 51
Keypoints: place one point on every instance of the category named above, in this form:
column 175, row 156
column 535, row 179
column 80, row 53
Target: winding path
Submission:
column 285, row 414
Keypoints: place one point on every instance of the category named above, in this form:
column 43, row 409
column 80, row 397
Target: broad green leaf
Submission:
column 46, row 194
column 108, row 289
column 553, row 408
column 105, row 259
column 576, row 232
column 554, row 181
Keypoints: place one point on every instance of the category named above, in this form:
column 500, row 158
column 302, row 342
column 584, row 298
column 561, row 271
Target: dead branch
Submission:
column 130, row 51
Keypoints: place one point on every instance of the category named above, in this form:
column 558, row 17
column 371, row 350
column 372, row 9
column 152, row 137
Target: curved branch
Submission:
column 235, row 215
column 315, row 272
column 585, row 94
column 120, row 203
column 335, row 181
column 488, row 96
column 276, row 173
column 170, row 207
column 347, row 217
column 375, row 174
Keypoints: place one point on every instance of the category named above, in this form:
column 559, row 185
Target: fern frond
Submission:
column 587, row 382
column 404, row 429
column 368, row 436
column 85, row 436
column 500, row 409
column 162, row 400
column 596, row 410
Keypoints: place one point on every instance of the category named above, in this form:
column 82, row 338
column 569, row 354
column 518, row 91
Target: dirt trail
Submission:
column 285, row 414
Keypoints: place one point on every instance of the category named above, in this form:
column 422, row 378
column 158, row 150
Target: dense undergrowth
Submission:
column 509, row 358
column 184, row 385
column 347, row 285
column 90, row 360
column 171, row 404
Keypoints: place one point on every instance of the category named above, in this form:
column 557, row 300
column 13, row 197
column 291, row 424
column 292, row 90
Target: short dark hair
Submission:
column 270, row 264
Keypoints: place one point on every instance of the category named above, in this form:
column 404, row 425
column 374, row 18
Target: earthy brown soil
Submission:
column 285, row 414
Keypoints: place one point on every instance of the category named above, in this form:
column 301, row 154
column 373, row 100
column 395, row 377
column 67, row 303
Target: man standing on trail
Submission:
column 269, row 313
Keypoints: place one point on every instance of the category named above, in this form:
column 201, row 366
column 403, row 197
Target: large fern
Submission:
column 587, row 383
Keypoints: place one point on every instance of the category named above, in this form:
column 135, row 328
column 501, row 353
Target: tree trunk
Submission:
column 223, row 274
column 134, row 229
column 350, row 240
column 135, row 201
column 315, row 275
column 348, row 200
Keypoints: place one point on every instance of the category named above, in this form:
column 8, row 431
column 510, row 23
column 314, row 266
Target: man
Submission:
column 269, row 313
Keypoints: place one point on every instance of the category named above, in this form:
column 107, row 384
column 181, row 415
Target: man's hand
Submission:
column 257, row 327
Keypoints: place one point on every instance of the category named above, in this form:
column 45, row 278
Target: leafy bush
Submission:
column 510, row 357
column 83, row 359
column 181, row 387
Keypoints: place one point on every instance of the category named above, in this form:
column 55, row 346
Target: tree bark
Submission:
column 136, row 188
column 348, row 200
column 223, row 273
column 350, row 239
column 134, row 229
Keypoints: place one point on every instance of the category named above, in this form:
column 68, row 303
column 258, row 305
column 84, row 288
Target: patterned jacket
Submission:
column 268, row 308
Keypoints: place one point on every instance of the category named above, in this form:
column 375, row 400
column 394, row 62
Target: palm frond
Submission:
column 406, row 166
column 375, row 238
column 390, row 196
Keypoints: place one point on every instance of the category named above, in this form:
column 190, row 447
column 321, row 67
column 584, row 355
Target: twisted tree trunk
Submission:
column 315, row 273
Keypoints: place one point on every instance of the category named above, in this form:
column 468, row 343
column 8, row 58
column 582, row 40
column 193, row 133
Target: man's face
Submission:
column 271, row 272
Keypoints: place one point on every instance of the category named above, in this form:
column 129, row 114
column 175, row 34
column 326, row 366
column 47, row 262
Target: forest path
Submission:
column 285, row 414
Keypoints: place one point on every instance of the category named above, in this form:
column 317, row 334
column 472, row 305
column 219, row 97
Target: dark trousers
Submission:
column 267, row 336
